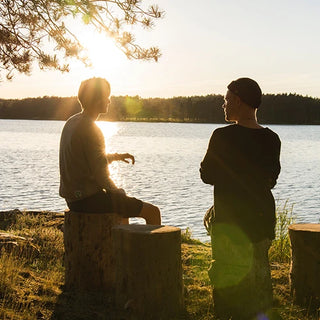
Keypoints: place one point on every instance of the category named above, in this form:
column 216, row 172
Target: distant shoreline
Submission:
column 169, row 121
column 280, row 109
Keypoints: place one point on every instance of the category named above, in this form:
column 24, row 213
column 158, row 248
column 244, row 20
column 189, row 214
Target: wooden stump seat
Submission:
column 305, row 264
column 148, row 270
column 89, row 262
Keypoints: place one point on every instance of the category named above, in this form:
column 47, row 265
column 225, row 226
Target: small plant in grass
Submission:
column 280, row 249
column 186, row 237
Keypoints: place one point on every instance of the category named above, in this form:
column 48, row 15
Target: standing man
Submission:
column 84, row 176
column 242, row 163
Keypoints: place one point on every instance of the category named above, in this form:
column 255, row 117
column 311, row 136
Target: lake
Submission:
column 166, row 172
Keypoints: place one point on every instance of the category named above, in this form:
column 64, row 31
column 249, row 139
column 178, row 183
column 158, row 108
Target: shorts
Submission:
column 111, row 201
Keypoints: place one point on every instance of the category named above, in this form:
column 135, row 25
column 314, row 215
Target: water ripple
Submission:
column 166, row 170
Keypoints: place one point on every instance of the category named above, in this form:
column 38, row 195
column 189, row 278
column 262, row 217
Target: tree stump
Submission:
column 89, row 261
column 148, row 270
column 305, row 264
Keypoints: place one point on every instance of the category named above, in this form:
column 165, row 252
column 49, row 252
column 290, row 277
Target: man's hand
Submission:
column 125, row 157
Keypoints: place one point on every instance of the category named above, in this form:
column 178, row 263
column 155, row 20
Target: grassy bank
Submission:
column 31, row 281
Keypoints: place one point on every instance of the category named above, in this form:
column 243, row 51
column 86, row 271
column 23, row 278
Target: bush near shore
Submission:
column 31, row 285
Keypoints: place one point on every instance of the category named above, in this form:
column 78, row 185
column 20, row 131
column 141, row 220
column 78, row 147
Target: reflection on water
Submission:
column 109, row 129
column 165, row 173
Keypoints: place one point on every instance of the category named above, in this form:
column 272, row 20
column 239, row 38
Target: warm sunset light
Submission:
column 102, row 52
column 108, row 129
column 161, row 149
column 198, row 58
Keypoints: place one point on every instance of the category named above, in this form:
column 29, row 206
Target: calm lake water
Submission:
column 166, row 172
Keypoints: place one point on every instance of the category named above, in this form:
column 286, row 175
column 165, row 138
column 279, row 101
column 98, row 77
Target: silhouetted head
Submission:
column 247, row 90
column 94, row 94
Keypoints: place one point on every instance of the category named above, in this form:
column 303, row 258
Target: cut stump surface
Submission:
column 148, row 270
column 305, row 264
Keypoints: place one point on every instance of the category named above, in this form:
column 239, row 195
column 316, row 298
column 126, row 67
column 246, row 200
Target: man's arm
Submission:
column 210, row 167
column 125, row 157
column 96, row 158
column 274, row 166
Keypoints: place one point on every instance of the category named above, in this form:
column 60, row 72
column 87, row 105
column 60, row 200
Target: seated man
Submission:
column 84, row 177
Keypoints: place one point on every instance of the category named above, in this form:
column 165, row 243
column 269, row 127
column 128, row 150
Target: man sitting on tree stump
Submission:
column 85, row 182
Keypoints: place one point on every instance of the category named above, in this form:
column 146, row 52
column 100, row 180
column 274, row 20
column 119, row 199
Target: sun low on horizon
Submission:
column 107, row 60
column 104, row 56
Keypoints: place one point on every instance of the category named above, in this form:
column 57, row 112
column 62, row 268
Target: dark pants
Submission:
column 240, row 274
column 114, row 201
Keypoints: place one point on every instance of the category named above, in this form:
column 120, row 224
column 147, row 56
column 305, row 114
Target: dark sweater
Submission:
column 243, row 165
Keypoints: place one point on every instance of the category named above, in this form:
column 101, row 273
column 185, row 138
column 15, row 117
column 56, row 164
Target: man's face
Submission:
column 231, row 106
column 104, row 104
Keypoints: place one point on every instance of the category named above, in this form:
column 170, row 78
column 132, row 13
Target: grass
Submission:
column 280, row 250
column 31, row 281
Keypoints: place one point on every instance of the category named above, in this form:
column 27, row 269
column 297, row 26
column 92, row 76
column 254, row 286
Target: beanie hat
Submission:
column 247, row 90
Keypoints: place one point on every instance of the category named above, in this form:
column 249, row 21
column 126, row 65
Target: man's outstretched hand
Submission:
column 125, row 157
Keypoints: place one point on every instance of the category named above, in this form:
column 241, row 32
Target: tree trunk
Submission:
column 148, row 270
column 305, row 264
column 89, row 261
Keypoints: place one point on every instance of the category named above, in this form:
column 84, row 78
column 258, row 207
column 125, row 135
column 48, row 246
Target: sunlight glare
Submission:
column 102, row 51
column 108, row 129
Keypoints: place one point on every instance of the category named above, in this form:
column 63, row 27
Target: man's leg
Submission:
column 150, row 213
column 124, row 221
column 129, row 207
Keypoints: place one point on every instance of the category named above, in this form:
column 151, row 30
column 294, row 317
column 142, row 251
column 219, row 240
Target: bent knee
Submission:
column 151, row 213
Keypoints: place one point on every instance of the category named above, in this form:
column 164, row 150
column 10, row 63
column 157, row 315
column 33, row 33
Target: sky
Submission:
column 205, row 44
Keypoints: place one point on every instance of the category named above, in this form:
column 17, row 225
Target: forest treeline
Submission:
column 275, row 109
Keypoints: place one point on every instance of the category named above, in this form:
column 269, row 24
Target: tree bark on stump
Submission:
column 89, row 261
column 305, row 264
column 148, row 270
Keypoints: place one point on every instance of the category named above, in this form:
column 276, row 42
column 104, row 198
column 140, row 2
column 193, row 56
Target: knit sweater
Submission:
column 82, row 158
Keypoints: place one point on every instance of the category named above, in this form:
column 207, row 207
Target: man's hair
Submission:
column 247, row 90
column 92, row 90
